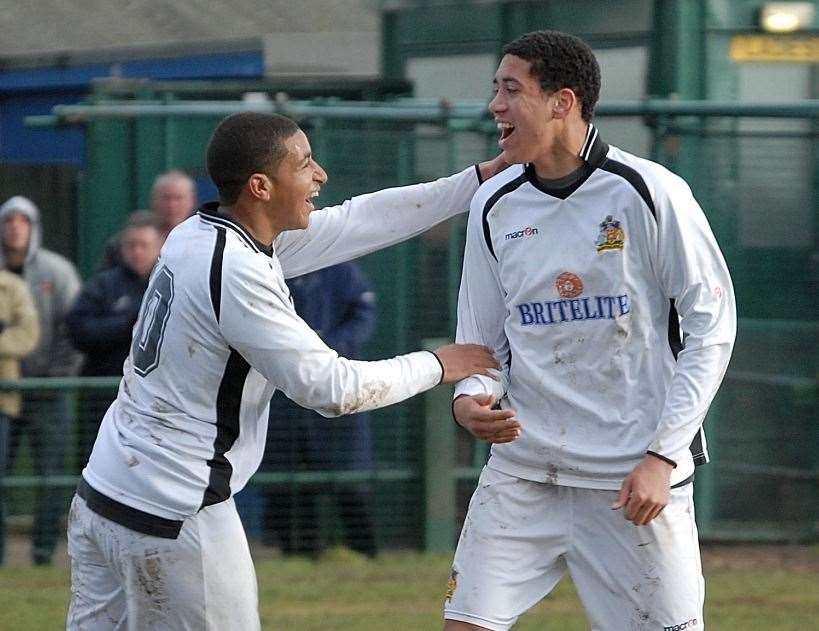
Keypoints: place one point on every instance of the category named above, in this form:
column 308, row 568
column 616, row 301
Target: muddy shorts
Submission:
column 520, row 537
column 122, row 579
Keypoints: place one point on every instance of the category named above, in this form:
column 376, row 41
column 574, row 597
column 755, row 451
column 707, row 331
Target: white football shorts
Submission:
column 520, row 537
column 122, row 579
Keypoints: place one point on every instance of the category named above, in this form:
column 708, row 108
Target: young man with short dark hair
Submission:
column 154, row 536
column 595, row 277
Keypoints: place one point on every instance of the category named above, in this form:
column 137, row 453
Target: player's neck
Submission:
column 562, row 156
column 256, row 223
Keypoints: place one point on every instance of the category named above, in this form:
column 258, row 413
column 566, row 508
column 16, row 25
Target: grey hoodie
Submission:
column 54, row 285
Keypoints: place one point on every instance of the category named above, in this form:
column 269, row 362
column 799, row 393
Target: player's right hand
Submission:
column 464, row 360
column 475, row 414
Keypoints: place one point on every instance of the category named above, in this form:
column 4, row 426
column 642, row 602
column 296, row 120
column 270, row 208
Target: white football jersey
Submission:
column 217, row 334
column 583, row 290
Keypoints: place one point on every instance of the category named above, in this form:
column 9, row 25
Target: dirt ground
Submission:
column 802, row 559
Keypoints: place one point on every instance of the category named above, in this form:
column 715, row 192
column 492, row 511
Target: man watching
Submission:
column 103, row 316
column 173, row 200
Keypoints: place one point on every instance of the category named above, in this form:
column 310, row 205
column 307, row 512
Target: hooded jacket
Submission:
column 19, row 333
column 54, row 284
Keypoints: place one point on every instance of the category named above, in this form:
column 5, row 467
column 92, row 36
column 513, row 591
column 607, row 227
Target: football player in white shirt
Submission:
column 154, row 537
column 595, row 277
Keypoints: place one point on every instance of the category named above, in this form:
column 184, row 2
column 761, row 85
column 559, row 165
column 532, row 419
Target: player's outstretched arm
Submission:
column 377, row 220
column 259, row 324
column 459, row 361
column 475, row 414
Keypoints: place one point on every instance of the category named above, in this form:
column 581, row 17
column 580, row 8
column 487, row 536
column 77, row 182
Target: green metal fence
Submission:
column 754, row 170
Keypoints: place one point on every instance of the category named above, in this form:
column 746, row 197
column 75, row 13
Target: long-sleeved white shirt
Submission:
column 611, row 308
column 217, row 334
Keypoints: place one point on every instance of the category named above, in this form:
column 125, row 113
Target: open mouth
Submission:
column 310, row 199
column 506, row 130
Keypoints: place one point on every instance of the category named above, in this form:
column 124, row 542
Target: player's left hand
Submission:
column 645, row 491
column 491, row 168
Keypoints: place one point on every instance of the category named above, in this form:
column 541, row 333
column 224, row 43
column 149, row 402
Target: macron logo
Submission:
column 526, row 232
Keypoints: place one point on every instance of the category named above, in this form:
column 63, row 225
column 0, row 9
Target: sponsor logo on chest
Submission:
column 520, row 234
column 572, row 305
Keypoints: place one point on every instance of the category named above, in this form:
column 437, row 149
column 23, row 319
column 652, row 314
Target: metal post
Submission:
column 439, row 462
column 706, row 485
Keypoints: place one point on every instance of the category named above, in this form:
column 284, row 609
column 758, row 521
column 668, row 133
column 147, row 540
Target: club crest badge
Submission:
column 611, row 235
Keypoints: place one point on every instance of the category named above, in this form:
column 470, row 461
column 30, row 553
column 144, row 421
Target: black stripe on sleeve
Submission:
column 228, row 404
column 503, row 190
column 216, row 272
column 633, row 178
column 698, row 451
column 674, row 340
column 697, row 447
column 478, row 173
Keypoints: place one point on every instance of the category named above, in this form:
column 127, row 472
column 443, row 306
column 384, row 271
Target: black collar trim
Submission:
column 210, row 213
column 593, row 153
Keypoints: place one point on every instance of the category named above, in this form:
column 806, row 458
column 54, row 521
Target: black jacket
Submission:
column 102, row 318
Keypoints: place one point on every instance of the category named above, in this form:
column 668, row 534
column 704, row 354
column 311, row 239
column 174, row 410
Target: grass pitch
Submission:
column 748, row 588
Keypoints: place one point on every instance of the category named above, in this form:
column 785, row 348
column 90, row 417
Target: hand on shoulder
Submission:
column 491, row 168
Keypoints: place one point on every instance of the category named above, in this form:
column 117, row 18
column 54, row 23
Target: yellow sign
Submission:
column 774, row 49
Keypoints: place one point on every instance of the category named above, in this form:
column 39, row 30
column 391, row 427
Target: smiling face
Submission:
column 522, row 111
column 295, row 183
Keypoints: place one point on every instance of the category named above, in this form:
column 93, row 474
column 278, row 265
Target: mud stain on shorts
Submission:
column 151, row 579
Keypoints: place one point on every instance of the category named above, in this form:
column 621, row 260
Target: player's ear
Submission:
column 260, row 186
column 563, row 102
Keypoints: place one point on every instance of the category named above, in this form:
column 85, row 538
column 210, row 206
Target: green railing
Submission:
column 754, row 170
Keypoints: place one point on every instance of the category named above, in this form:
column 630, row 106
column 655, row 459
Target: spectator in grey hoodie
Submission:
column 54, row 284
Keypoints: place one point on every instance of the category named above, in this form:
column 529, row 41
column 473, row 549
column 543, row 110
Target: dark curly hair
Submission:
column 244, row 144
column 560, row 60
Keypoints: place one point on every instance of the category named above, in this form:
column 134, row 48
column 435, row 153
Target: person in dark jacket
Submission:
column 339, row 303
column 102, row 318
